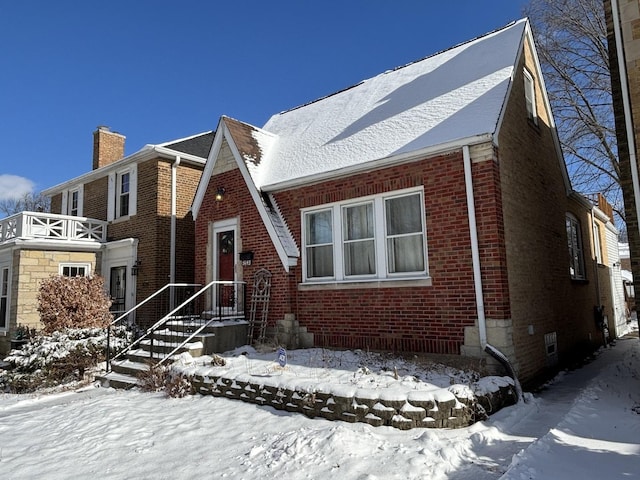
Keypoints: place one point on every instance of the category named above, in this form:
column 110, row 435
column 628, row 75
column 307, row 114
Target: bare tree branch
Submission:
column 571, row 38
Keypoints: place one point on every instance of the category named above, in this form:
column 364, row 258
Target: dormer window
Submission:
column 530, row 97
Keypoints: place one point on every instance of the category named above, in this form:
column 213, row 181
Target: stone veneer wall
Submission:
column 427, row 409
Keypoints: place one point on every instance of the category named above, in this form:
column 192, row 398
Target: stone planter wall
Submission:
column 420, row 408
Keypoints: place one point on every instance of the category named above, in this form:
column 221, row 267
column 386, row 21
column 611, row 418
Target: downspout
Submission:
column 172, row 247
column 477, row 278
column 475, row 251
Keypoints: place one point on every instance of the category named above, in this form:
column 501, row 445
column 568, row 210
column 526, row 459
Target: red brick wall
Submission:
column 414, row 318
column 253, row 237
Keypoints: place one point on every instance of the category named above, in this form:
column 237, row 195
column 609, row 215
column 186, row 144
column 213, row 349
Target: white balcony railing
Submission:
column 34, row 225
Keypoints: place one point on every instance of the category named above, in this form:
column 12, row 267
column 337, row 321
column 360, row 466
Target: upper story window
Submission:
column 74, row 269
column 122, row 197
column 72, row 201
column 122, row 193
column 372, row 238
column 576, row 257
column 530, row 97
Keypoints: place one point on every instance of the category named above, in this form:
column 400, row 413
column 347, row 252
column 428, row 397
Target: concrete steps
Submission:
column 216, row 338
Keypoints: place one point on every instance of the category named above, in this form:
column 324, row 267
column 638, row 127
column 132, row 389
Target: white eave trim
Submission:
column 148, row 152
column 257, row 200
column 379, row 163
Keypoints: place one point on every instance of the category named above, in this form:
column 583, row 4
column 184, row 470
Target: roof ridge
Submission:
column 400, row 67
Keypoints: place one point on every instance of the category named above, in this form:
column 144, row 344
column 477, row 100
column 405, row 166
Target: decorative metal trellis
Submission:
column 259, row 309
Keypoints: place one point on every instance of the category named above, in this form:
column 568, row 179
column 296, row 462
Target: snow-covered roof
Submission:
column 453, row 95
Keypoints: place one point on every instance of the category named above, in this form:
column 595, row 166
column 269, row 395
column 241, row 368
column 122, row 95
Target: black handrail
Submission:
column 217, row 301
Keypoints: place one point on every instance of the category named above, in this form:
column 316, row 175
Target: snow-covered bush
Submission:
column 61, row 357
column 73, row 302
column 160, row 377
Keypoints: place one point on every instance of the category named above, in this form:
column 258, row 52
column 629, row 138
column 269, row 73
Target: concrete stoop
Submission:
column 217, row 338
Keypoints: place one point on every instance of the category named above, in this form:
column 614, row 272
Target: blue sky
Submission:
column 160, row 70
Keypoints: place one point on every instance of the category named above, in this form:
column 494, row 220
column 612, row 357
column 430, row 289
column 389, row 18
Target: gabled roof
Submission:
column 444, row 101
column 454, row 95
column 198, row 145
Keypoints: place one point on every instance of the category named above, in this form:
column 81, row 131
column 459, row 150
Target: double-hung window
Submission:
column 122, row 196
column 372, row 238
column 122, row 193
column 72, row 201
column 576, row 257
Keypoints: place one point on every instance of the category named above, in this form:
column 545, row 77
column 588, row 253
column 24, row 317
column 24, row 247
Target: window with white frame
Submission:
column 123, row 181
column 4, row 297
column 574, row 239
column 380, row 237
column 75, row 269
column 72, row 201
column 122, row 193
column 530, row 97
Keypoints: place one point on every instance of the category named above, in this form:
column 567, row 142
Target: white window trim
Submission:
column 530, row 96
column 380, row 239
column 86, row 266
column 113, row 209
column 67, row 196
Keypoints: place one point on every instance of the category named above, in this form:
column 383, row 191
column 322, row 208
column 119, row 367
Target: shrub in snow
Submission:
column 73, row 302
column 160, row 377
column 153, row 379
column 62, row 357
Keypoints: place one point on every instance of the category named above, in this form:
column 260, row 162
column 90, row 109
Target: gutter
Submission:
column 378, row 163
column 148, row 152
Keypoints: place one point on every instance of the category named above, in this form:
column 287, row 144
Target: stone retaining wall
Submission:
column 440, row 409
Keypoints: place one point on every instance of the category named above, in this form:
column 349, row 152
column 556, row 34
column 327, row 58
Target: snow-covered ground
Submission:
column 585, row 425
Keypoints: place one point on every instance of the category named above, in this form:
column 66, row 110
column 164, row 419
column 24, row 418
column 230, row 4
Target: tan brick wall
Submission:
column 29, row 268
column 535, row 204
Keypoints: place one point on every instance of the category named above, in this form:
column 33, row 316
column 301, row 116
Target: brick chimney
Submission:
column 108, row 147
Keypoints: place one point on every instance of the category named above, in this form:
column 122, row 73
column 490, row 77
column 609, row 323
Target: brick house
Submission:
column 427, row 209
column 127, row 219
column 623, row 19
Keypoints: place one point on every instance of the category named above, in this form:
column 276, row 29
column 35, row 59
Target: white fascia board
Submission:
column 257, row 200
column 57, row 245
column 208, row 169
column 385, row 162
column 148, row 152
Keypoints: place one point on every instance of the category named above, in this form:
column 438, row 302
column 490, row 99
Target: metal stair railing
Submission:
column 182, row 323
column 131, row 323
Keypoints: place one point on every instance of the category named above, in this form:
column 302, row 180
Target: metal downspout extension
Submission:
column 477, row 278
